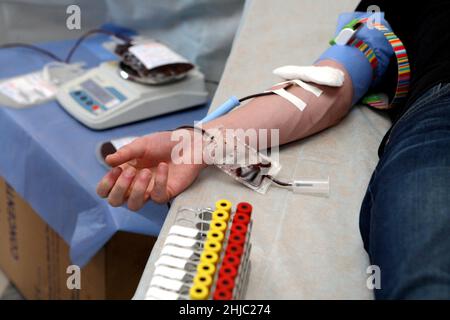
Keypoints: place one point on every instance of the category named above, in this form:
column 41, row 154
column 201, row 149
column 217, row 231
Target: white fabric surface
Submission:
column 303, row 247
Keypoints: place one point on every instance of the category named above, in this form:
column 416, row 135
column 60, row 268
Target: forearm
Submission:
column 275, row 112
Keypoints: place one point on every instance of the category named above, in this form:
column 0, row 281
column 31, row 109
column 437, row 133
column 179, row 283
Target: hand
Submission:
column 143, row 170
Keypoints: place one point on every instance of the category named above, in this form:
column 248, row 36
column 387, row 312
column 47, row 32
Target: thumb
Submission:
column 133, row 150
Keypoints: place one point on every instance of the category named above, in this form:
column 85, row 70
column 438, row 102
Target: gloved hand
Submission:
column 354, row 60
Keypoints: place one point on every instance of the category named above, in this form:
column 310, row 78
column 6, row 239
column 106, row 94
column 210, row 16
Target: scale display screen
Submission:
column 99, row 93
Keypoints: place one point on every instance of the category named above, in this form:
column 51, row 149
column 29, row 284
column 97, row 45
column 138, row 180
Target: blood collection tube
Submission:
column 235, row 249
column 224, row 204
column 232, row 259
column 225, row 283
column 215, row 235
column 227, row 270
column 237, row 238
column 244, row 207
column 239, row 227
column 242, row 218
column 222, row 294
column 198, row 292
column 218, row 225
column 203, row 278
column 209, row 256
column 221, row 215
column 207, row 268
column 213, row 245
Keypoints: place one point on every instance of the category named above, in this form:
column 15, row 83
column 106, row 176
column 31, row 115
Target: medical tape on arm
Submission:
column 296, row 101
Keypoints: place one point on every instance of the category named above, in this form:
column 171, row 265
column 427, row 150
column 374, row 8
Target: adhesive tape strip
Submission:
column 314, row 90
column 177, row 252
column 158, row 293
column 168, row 284
column 171, row 262
column 170, row 273
column 180, row 241
column 296, row 101
column 184, row 231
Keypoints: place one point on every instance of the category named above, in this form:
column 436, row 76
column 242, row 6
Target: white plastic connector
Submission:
column 319, row 187
column 344, row 36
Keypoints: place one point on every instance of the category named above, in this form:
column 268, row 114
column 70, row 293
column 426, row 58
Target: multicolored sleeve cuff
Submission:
column 355, row 62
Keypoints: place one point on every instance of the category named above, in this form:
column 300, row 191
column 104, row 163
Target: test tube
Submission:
column 319, row 187
column 224, row 204
column 221, row 215
column 199, row 292
column 244, row 207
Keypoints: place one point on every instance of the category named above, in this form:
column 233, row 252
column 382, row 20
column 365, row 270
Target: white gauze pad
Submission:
column 324, row 75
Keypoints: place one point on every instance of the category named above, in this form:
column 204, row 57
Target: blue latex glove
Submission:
column 354, row 60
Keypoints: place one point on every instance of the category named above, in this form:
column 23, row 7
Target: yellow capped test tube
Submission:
column 198, row 292
column 207, row 268
column 212, row 245
column 220, row 215
column 209, row 256
column 224, row 204
column 218, row 225
column 215, row 234
column 203, row 278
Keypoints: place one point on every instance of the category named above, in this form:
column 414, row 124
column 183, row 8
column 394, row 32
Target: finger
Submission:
column 105, row 185
column 118, row 193
column 129, row 152
column 137, row 195
column 159, row 191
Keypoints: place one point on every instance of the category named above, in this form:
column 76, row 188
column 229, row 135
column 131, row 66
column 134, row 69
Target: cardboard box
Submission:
column 35, row 258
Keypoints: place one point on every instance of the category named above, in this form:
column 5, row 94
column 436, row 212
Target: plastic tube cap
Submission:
column 198, row 292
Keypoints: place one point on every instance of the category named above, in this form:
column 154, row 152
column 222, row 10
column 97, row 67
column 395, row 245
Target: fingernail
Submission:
column 129, row 172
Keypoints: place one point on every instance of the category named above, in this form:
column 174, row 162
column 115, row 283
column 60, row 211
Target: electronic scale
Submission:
column 101, row 98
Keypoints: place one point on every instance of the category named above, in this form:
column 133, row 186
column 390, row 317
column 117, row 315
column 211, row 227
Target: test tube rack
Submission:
column 205, row 255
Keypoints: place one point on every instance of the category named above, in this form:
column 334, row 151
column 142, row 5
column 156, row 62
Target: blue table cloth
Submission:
column 49, row 158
